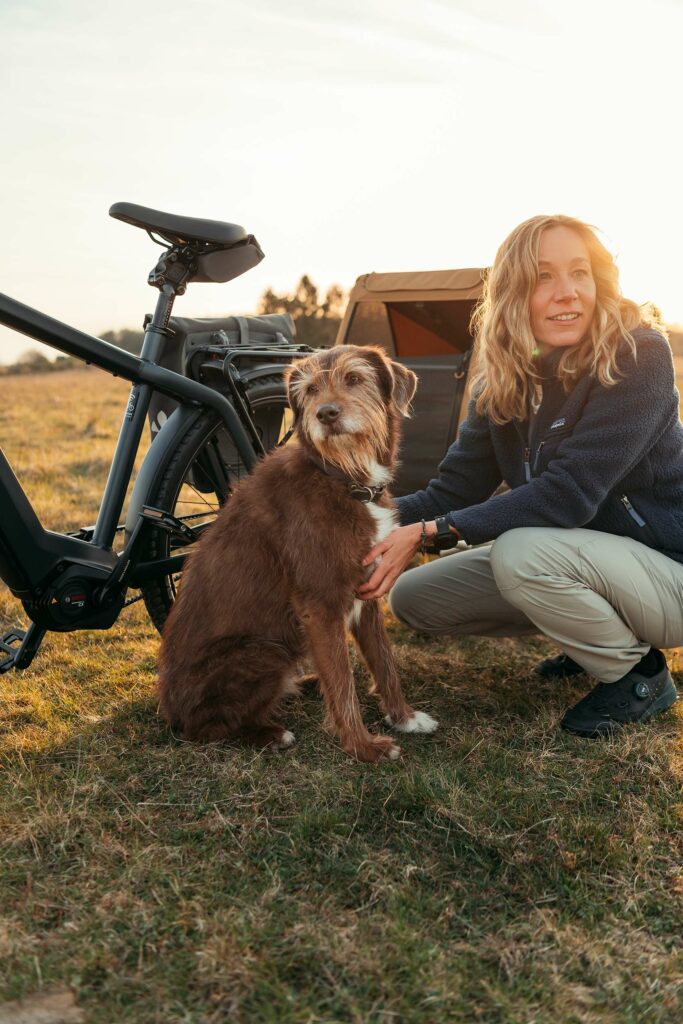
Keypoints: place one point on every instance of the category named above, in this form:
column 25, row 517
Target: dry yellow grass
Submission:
column 501, row 872
column 58, row 431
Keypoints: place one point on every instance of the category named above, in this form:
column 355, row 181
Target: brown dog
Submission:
column 273, row 580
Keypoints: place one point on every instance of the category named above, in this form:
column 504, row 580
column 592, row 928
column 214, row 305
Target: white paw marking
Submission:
column 286, row 740
column 419, row 722
column 394, row 753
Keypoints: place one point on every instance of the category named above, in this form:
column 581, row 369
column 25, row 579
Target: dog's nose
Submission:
column 328, row 413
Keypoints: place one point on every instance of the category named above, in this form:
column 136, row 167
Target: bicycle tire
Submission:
column 204, row 453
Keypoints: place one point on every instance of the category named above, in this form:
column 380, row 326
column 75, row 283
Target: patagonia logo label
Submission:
column 558, row 423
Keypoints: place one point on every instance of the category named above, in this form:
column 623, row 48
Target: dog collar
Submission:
column 365, row 494
column 361, row 492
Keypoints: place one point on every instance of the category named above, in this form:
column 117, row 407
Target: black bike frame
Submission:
column 27, row 550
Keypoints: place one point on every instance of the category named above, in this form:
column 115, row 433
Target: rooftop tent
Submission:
column 421, row 319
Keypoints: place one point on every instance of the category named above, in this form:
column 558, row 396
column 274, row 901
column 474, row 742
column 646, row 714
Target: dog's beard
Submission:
column 354, row 454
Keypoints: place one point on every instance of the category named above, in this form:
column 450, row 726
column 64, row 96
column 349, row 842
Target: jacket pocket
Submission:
column 546, row 448
column 646, row 531
column 634, row 514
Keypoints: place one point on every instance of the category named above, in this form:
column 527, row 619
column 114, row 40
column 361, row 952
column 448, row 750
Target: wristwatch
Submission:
column 446, row 535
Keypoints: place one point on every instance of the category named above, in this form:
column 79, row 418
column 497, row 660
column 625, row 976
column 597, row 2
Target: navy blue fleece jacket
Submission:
column 603, row 458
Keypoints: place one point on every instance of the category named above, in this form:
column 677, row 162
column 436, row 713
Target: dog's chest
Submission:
column 385, row 518
column 385, row 521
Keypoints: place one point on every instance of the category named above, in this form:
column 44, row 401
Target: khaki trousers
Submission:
column 605, row 600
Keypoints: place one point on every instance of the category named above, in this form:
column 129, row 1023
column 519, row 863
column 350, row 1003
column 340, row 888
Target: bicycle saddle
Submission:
column 231, row 250
column 179, row 229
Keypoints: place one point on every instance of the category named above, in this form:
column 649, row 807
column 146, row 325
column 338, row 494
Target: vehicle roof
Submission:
column 415, row 285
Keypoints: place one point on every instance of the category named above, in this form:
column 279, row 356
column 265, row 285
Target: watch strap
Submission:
column 447, row 536
column 443, row 534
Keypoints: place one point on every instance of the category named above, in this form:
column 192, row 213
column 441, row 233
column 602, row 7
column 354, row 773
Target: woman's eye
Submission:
column 544, row 276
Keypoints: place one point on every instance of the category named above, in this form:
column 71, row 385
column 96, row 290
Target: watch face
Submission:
column 443, row 534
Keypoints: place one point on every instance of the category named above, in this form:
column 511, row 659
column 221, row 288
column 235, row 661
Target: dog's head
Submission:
column 347, row 403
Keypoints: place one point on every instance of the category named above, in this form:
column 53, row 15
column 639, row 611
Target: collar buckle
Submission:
column 363, row 493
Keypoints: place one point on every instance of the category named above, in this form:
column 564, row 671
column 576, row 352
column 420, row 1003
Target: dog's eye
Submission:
column 352, row 379
column 312, row 389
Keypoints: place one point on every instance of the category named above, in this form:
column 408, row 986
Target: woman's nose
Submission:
column 566, row 288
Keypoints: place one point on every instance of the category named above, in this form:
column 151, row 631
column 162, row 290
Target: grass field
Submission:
column 502, row 871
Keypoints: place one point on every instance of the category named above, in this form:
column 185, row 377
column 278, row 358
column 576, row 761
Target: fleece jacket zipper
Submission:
column 529, row 470
column 631, row 511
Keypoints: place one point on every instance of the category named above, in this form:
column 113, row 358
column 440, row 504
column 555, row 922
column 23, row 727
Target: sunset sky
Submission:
column 370, row 135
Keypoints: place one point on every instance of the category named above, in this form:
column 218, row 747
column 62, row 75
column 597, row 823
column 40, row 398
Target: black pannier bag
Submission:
column 231, row 354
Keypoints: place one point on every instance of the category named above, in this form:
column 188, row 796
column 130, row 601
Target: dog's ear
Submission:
column 382, row 366
column 293, row 380
column 405, row 386
column 397, row 382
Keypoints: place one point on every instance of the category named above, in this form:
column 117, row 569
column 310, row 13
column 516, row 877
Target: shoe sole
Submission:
column 666, row 699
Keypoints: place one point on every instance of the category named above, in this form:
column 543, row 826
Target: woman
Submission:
column 575, row 409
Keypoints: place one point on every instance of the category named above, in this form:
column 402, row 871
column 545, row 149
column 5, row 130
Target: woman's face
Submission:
column 563, row 301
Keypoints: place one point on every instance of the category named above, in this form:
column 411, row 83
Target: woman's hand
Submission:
column 395, row 552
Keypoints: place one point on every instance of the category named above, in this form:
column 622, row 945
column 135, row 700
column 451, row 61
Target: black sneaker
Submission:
column 633, row 698
column 561, row 667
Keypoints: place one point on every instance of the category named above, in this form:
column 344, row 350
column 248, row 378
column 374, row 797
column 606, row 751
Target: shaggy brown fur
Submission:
column 273, row 581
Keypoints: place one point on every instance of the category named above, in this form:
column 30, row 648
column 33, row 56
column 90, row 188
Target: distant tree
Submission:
column 33, row 362
column 316, row 321
column 126, row 339
column 67, row 363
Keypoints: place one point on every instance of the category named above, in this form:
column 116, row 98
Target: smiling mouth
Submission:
column 564, row 318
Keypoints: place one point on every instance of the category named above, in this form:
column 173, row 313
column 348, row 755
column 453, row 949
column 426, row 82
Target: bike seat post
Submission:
column 133, row 421
column 171, row 274
column 173, row 271
column 156, row 330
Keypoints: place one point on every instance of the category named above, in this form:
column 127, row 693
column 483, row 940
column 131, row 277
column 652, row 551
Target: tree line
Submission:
column 316, row 321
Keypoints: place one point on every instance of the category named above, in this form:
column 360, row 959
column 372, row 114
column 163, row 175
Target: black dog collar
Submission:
column 361, row 492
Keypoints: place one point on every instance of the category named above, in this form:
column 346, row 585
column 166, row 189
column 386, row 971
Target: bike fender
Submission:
column 156, row 460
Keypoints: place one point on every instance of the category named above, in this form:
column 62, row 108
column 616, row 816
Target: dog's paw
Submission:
column 419, row 721
column 286, row 740
column 374, row 748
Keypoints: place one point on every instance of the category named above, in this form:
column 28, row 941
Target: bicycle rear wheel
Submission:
column 199, row 479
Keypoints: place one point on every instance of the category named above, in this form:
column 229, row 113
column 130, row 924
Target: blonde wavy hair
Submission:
column 504, row 375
